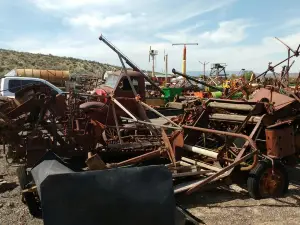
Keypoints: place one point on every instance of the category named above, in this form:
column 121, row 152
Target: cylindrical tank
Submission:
column 53, row 76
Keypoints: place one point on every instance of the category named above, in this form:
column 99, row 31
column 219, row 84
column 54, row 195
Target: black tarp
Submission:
column 127, row 196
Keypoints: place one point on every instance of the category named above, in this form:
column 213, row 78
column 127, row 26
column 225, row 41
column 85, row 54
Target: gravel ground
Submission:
column 216, row 206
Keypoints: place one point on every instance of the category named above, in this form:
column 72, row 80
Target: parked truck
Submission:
column 10, row 85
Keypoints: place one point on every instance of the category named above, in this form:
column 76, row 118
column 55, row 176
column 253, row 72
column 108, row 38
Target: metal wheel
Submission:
column 265, row 181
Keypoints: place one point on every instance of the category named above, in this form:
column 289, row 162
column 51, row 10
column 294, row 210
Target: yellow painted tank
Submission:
column 53, row 76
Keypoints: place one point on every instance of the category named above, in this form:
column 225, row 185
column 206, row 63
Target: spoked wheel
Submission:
column 110, row 134
column 265, row 182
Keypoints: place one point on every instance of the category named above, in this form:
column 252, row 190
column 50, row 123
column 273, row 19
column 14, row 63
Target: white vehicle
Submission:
column 10, row 85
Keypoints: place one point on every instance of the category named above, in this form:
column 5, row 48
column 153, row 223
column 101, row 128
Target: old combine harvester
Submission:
column 56, row 136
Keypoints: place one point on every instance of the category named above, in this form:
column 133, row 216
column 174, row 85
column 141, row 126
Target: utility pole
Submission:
column 184, row 54
column 152, row 54
column 204, row 64
column 166, row 66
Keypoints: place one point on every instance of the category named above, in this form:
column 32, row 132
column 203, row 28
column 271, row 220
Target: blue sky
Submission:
column 238, row 32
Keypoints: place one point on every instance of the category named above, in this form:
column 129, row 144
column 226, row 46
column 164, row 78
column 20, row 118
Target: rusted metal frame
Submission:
column 232, row 118
column 226, row 101
column 231, row 106
column 116, row 122
column 196, row 186
column 128, row 62
column 287, row 72
column 288, row 68
column 129, row 80
column 149, row 123
column 290, row 92
column 270, row 68
column 202, row 113
column 124, row 109
column 195, row 80
column 137, row 159
column 297, row 83
column 150, row 127
column 242, row 151
column 288, row 47
column 158, row 113
column 229, row 141
column 272, row 161
column 201, row 164
column 239, row 158
column 186, row 174
column 251, row 142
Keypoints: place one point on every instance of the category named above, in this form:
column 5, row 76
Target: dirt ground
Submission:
column 216, row 206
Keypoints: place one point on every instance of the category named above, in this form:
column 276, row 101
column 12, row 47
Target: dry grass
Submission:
column 12, row 59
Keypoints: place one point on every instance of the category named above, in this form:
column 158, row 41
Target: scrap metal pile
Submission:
column 244, row 141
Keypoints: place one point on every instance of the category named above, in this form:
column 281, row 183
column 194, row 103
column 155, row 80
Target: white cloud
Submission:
column 151, row 14
column 228, row 32
column 72, row 4
column 252, row 57
column 94, row 21
column 133, row 26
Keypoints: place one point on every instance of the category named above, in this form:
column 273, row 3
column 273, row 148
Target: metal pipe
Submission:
column 241, row 107
column 152, row 124
column 129, row 80
column 137, row 159
column 116, row 121
column 255, row 156
column 125, row 110
column 201, row 151
column 197, row 185
column 195, row 80
column 233, row 118
column 128, row 62
column 158, row 113
column 204, row 165
column 251, row 142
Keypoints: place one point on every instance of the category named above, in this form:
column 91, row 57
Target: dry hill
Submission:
column 13, row 59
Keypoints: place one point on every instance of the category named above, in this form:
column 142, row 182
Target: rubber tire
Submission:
column 22, row 176
column 256, row 174
column 29, row 197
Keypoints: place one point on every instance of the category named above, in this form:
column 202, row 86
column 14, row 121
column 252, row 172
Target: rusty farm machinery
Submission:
column 61, row 136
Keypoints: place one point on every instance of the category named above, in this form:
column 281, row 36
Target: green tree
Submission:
column 247, row 75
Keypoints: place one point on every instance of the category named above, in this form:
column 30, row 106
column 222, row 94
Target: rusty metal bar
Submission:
column 129, row 80
column 270, row 68
column 201, row 164
column 116, row 121
column 233, row 118
column 290, row 92
column 128, row 62
column 158, row 113
column 152, row 124
column 201, row 183
column 251, row 142
column 195, row 80
column 124, row 109
column 140, row 158
column 255, row 158
column 242, row 107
